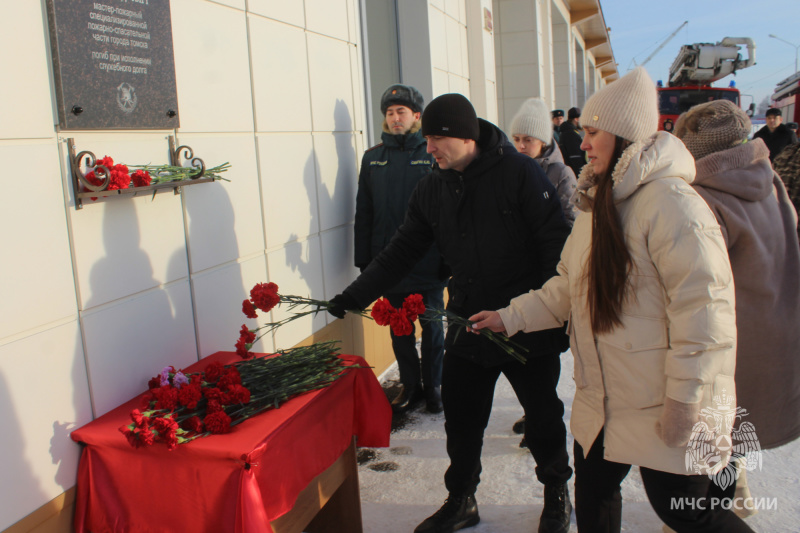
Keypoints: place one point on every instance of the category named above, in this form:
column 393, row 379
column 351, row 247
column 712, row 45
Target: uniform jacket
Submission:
column 389, row 173
column 499, row 228
column 776, row 140
column 570, row 142
column 679, row 326
column 563, row 179
column 759, row 226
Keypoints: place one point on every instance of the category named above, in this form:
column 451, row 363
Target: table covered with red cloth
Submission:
column 238, row 481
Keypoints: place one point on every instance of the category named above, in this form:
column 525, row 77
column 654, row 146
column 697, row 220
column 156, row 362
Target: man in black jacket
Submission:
column 775, row 135
column 389, row 173
column 570, row 141
column 497, row 221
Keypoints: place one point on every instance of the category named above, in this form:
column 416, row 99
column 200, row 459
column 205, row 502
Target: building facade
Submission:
column 97, row 300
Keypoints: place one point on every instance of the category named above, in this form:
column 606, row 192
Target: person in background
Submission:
column 389, row 173
column 787, row 165
column 530, row 130
column 645, row 283
column 759, row 225
column 557, row 116
column 498, row 224
column 775, row 134
column 792, row 127
column 570, row 141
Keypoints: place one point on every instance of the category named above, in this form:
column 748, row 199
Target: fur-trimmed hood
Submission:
column 660, row 156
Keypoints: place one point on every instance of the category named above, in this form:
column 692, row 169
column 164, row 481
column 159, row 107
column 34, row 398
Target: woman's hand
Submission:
column 676, row 422
column 486, row 319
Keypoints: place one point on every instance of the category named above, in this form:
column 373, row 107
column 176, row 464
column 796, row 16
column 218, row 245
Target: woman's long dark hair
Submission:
column 609, row 259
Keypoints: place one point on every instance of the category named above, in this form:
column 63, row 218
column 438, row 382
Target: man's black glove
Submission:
column 341, row 303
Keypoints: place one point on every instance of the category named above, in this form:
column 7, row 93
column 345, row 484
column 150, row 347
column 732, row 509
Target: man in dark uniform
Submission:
column 558, row 120
column 497, row 221
column 571, row 139
column 775, row 135
column 389, row 173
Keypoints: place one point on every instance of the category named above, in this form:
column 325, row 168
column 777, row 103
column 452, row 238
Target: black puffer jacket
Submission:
column 389, row 173
column 776, row 140
column 570, row 142
column 498, row 226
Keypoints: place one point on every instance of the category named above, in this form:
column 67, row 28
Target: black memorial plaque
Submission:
column 113, row 63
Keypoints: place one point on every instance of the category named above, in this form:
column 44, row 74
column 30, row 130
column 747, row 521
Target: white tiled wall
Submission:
column 96, row 301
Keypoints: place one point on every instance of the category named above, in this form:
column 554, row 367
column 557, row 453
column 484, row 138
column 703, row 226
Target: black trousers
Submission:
column 429, row 373
column 684, row 503
column 467, row 394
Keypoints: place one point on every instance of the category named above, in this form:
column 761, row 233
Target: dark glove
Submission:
column 341, row 303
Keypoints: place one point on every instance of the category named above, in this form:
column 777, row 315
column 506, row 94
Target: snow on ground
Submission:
column 402, row 485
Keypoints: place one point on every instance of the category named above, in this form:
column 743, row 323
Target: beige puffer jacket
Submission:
column 679, row 326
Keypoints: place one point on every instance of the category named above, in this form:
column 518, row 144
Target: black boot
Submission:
column 433, row 400
column 557, row 509
column 457, row 513
column 408, row 398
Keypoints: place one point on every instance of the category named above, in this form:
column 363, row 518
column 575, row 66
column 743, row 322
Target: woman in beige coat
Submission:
column 645, row 284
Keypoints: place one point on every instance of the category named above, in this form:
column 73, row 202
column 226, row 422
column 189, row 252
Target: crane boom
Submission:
column 664, row 43
column 704, row 63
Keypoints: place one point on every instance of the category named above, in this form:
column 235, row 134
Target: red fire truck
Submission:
column 786, row 97
column 695, row 69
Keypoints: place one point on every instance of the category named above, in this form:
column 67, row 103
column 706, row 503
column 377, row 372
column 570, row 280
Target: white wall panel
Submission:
column 37, row 285
column 337, row 178
column 519, row 81
column 212, row 70
column 517, row 15
column 440, row 4
column 280, row 76
column 331, row 83
column 454, row 49
column 44, row 394
column 288, row 187
column 454, row 8
column 297, row 270
column 441, row 82
column 130, row 341
column 289, row 12
column 459, row 85
column 224, row 217
column 438, row 37
column 328, row 17
column 218, row 298
column 518, row 48
column 25, row 89
column 337, row 251
column 236, row 4
column 125, row 246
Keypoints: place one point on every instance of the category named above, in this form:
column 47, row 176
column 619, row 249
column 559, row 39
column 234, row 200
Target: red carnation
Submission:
column 119, row 179
column 413, row 306
column 231, row 378
column 141, row 178
column 400, row 324
column 213, row 406
column 106, row 162
column 193, row 424
column 144, row 403
column 133, row 437
column 237, row 394
column 167, row 431
column 214, row 371
column 189, row 395
column 248, row 309
column 146, row 435
column 265, row 296
column 248, row 335
column 218, row 422
column 212, row 393
column 166, row 397
column 154, row 383
column 242, row 348
column 382, row 312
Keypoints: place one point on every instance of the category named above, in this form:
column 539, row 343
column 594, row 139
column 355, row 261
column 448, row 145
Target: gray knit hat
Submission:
column 712, row 127
column 627, row 107
column 533, row 119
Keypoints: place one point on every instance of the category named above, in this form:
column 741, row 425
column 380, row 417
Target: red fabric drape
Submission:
column 235, row 482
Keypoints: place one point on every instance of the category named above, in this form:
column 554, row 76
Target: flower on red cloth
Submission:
column 146, row 399
column 193, row 424
column 400, row 323
column 218, row 422
column 212, row 393
column 166, row 397
column 265, row 296
column 231, row 378
column 141, row 178
column 249, row 309
column 382, row 312
column 167, row 431
column 237, row 394
column 243, row 347
column 413, row 306
column 213, row 406
column 213, row 371
column 189, row 395
column 154, row 383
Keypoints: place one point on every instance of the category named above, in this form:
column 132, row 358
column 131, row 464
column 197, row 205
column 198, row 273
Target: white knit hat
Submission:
column 533, row 119
column 627, row 107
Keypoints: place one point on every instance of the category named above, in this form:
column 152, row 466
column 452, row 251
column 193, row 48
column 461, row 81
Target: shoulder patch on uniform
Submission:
column 372, row 148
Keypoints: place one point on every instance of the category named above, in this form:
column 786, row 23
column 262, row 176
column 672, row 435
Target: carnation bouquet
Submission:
column 181, row 407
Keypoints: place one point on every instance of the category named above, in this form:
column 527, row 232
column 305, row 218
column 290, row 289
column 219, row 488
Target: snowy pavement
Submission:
column 403, row 484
